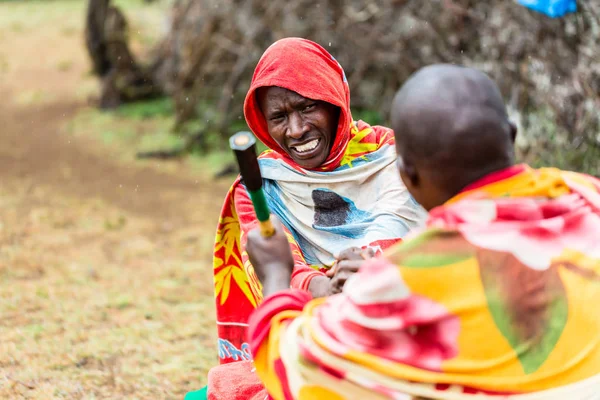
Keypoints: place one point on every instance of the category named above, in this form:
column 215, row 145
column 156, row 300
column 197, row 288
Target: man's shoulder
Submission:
column 582, row 179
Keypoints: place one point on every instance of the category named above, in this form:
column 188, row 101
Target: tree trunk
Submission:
column 123, row 79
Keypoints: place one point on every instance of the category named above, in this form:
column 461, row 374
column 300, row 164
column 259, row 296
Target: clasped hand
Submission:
column 273, row 263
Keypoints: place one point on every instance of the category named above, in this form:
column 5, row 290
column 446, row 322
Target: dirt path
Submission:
column 105, row 275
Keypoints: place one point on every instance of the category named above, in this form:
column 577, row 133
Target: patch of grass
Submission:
column 122, row 302
column 87, row 88
column 162, row 107
column 4, row 66
column 42, row 292
column 126, row 132
column 33, row 97
column 35, row 330
column 110, row 136
column 17, row 27
column 64, row 65
column 118, row 224
column 148, row 126
column 88, row 119
column 161, row 138
column 69, row 31
column 369, row 116
column 212, row 162
column 22, row 16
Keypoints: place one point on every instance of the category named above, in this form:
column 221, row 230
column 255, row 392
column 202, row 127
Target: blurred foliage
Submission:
column 147, row 109
column 373, row 117
column 548, row 69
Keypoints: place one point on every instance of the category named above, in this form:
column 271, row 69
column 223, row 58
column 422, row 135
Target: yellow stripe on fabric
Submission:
column 313, row 392
column 481, row 345
column 357, row 148
column 266, row 373
column 546, row 182
column 308, row 308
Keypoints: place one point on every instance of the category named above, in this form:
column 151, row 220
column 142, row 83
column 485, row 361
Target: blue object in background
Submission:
column 552, row 8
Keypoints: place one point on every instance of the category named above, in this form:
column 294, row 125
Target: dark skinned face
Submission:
column 304, row 128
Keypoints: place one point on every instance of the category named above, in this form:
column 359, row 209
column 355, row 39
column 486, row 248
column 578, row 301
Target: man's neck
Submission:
column 490, row 175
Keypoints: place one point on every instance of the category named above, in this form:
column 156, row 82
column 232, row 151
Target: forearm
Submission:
column 277, row 279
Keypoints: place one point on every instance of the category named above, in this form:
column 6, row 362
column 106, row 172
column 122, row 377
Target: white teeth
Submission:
column 307, row 146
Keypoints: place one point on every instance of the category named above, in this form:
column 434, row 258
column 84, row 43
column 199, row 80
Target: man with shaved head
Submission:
column 494, row 299
column 453, row 129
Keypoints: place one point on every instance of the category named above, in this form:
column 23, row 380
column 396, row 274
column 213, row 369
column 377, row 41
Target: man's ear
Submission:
column 411, row 174
column 513, row 131
column 408, row 172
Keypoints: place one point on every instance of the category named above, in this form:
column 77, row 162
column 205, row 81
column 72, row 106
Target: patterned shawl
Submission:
column 495, row 299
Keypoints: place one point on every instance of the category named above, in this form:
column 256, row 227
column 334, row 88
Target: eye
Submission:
column 309, row 107
column 277, row 118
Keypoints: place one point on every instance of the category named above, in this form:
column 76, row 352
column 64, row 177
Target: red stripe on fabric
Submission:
column 260, row 320
column 303, row 278
column 469, row 390
column 334, row 373
column 383, row 244
column 308, row 356
column 496, row 177
column 282, row 374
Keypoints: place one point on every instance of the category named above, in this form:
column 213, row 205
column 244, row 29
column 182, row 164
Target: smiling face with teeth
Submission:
column 304, row 128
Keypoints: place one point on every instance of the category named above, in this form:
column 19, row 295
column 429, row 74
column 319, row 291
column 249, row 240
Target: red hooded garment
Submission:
column 309, row 70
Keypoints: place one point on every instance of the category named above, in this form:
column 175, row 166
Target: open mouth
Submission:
column 306, row 149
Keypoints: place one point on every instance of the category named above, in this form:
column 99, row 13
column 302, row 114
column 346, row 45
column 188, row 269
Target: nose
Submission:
column 297, row 127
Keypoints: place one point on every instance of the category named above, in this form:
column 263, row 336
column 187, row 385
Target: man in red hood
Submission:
column 331, row 180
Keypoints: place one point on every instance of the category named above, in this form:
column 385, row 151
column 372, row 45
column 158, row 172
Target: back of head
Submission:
column 451, row 129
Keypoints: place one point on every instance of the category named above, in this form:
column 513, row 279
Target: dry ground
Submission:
column 105, row 262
